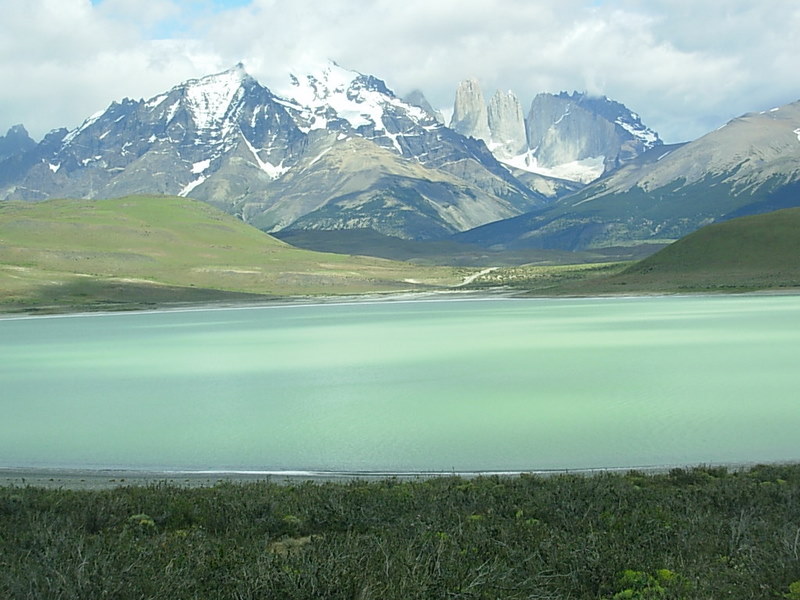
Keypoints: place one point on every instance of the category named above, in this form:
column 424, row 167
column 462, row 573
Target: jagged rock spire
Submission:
column 507, row 124
column 470, row 117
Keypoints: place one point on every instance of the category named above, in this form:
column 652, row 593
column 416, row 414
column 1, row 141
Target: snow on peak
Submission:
column 85, row 125
column 359, row 99
column 324, row 81
column 648, row 137
column 210, row 98
column 330, row 87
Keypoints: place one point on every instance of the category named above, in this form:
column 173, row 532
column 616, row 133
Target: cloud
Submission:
column 71, row 58
column 685, row 67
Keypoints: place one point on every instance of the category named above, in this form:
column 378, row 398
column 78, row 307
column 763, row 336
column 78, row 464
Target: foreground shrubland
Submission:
column 699, row 533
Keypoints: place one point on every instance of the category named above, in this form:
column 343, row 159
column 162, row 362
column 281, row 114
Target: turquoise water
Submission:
column 490, row 384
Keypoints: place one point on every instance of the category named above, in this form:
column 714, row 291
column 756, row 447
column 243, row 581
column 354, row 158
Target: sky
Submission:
column 685, row 66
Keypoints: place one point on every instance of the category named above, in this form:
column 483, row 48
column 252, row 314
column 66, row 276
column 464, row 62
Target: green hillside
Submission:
column 749, row 253
column 144, row 250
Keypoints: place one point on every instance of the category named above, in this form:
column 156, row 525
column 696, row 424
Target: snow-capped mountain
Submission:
column 749, row 166
column 339, row 150
column 571, row 128
column 342, row 142
column 575, row 136
column 418, row 99
column 169, row 144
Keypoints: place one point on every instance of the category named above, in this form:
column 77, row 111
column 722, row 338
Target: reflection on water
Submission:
column 494, row 384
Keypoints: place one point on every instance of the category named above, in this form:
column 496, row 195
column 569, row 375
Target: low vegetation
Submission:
column 551, row 280
column 687, row 534
column 747, row 254
column 149, row 251
column 760, row 252
column 445, row 252
column 142, row 250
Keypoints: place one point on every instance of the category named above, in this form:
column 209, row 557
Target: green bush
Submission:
column 674, row 536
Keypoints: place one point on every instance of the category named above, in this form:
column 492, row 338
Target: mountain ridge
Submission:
column 230, row 141
column 751, row 165
column 572, row 136
column 344, row 152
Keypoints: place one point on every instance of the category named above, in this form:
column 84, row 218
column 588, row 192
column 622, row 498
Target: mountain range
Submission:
column 344, row 152
column 340, row 151
column 749, row 166
column 571, row 136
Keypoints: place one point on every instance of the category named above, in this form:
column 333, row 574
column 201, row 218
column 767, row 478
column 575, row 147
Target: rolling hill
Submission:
column 758, row 252
column 140, row 250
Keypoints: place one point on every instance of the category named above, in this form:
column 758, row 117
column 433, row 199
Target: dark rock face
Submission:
column 15, row 142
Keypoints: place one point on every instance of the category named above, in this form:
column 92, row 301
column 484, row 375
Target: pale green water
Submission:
column 493, row 384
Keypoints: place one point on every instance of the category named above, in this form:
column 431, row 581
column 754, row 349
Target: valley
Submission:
column 147, row 252
column 375, row 300
column 338, row 163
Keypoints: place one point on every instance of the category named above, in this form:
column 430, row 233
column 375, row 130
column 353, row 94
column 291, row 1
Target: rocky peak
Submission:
column 352, row 103
column 332, row 96
column 418, row 99
column 16, row 141
column 571, row 136
column 210, row 98
column 337, row 149
column 470, row 117
column 507, row 125
column 573, row 128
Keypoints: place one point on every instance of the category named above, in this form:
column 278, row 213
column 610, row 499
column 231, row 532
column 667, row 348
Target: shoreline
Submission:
column 442, row 295
column 102, row 479
column 272, row 302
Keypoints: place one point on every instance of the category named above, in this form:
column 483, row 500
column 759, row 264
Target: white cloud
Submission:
column 68, row 59
column 685, row 67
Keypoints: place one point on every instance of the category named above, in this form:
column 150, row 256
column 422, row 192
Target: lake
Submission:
column 459, row 385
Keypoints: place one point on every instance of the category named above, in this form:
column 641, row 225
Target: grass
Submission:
column 687, row 534
column 746, row 254
column 760, row 252
column 547, row 280
column 140, row 250
column 149, row 251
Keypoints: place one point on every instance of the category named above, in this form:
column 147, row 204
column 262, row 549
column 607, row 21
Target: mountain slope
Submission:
column 168, row 144
column 168, row 248
column 746, row 253
column 749, row 166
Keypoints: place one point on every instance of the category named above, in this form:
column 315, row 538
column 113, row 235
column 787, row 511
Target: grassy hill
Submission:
column 144, row 250
column 758, row 252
